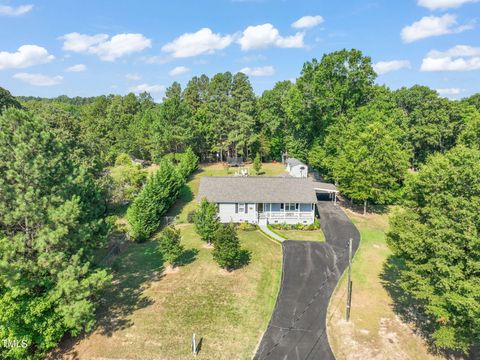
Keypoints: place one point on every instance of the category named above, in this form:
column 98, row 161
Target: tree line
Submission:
column 377, row 145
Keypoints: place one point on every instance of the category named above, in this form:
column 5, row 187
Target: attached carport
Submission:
column 325, row 191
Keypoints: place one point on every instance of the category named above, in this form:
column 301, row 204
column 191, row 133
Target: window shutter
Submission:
column 296, row 206
column 236, row 208
column 281, row 206
column 246, row 208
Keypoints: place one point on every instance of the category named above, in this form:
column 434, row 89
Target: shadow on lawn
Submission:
column 358, row 208
column 133, row 271
column 408, row 309
column 141, row 264
column 185, row 196
column 187, row 257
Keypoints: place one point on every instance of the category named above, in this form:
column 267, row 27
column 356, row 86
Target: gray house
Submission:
column 258, row 199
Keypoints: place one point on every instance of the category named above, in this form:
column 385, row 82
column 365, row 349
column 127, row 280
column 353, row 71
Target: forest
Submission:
column 407, row 147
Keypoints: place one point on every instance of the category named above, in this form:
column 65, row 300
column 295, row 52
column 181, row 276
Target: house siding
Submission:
column 226, row 213
column 276, row 215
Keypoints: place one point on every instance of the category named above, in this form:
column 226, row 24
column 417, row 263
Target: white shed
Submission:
column 296, row 168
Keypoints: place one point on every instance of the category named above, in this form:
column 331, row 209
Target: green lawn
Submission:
column 307, row 235
column 151, row 315
column 375, row 331
column 185, row 203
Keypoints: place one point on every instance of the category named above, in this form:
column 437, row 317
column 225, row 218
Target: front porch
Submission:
column 295, row 213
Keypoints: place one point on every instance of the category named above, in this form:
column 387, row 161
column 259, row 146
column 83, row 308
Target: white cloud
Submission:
column 456, row 51
column 204, row 41
column 443, row 4
column 80, row 42
column 76, row 68
column 106, row 48
column 38, row 79
column 134, row 77
column 147, row 88
column 458, row 58
column 178, row 70
column 258, row 71
column 450, row 91
column 308, row 22
column 383, row 67
column 266, row 35
column 25, row 56
column 15, row 11
column 429, row 26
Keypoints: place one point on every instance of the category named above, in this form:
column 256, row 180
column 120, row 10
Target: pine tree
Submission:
column 257, row 164
column 51, row 214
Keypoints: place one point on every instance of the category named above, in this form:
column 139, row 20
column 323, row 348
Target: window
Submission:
column 291, row 206
column 241, row 207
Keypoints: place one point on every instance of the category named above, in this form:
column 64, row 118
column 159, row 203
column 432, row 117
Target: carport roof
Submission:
column 321, row 186
column 256, row 189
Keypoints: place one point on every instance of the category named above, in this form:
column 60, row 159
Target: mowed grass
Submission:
column 185, row 204
column 306, row 235
column 374, row 330
column 148, row 314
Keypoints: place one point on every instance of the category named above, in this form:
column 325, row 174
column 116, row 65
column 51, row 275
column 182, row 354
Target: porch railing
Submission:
column 285, row 214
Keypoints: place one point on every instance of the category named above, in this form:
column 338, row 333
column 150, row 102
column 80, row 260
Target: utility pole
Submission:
column 194, row 345
column 349, row 288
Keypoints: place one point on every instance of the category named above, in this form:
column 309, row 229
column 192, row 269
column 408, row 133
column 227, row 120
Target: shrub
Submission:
column 123, row 159
column 245, row 226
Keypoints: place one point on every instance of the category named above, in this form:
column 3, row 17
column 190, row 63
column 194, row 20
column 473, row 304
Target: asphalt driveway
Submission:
column 297, row 329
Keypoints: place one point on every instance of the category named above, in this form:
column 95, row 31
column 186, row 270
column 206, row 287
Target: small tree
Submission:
column 170, row 245
column 257, row 164
column 123, row 159
column 206, row 220
column 227, row 251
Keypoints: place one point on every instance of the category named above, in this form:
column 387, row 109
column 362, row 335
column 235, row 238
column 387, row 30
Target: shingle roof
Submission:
column 294, row 162
column 256, row 189
column 324, row 186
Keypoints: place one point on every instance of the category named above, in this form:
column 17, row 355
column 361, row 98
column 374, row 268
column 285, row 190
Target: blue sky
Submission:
column 86, row 48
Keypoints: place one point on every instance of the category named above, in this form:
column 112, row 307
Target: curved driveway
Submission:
column 297, row 329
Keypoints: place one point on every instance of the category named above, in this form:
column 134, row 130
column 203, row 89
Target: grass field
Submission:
column 374, row 331
column 185, row 203
column 151, row 315
column 307, row 235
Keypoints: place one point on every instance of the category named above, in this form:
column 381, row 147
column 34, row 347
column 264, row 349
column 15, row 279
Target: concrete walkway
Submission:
column 311, row 270
column 270, row 233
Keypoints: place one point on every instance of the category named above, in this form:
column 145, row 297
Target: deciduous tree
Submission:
column 437, row 237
